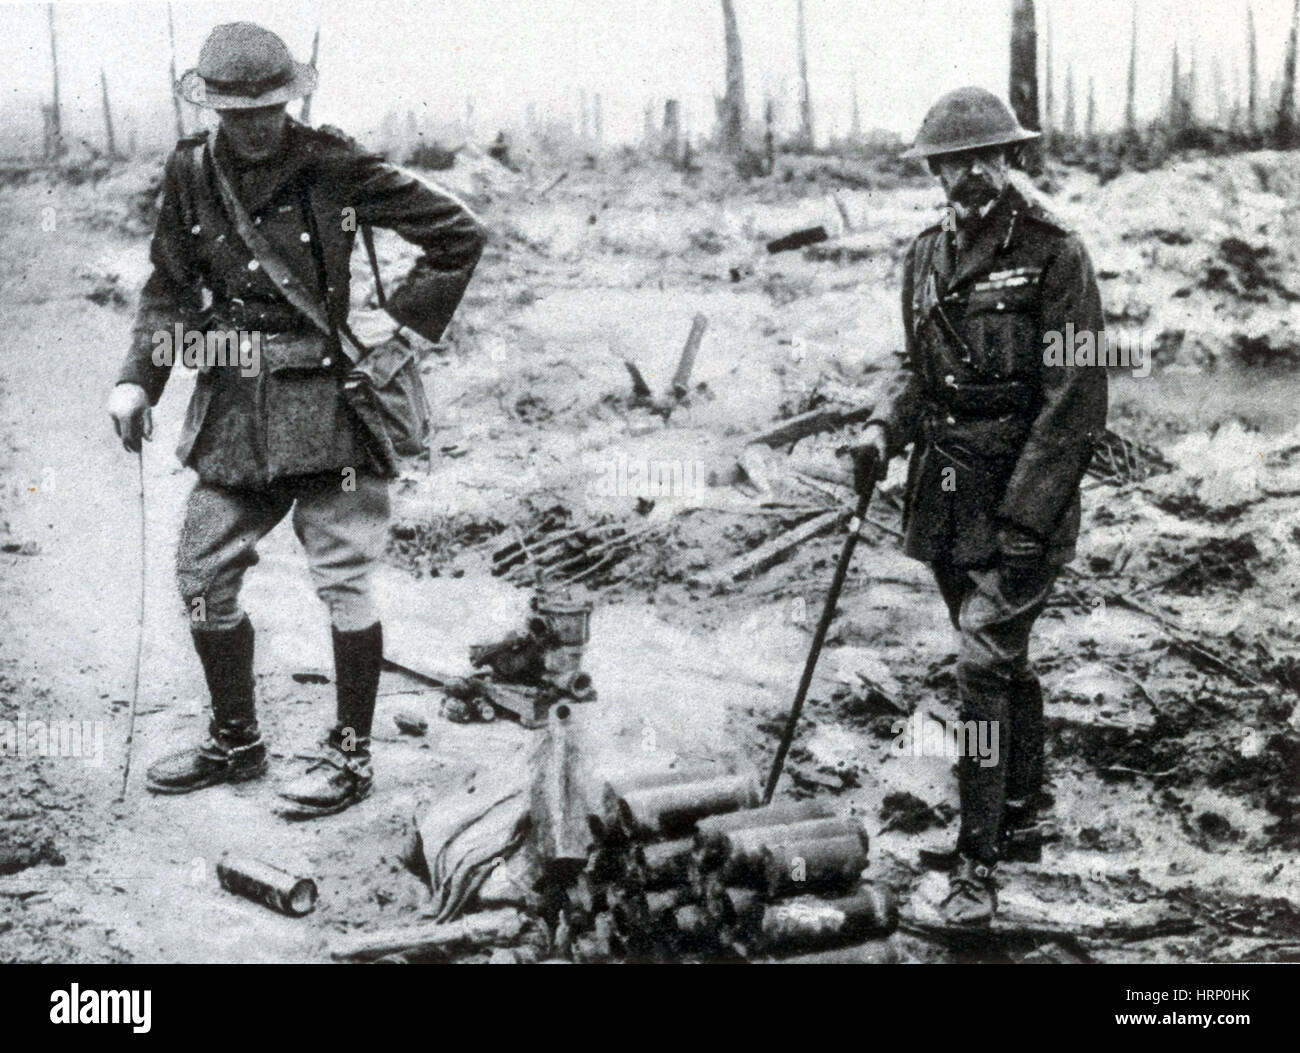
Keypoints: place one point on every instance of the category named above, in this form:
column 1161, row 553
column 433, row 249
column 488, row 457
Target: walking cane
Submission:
column 139, row 640
column 819, row 637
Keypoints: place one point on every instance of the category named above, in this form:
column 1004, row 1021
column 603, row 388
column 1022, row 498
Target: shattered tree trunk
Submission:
column 769, row 135
column 1090, row 120
column 110, row 141
column 1049, row 96
column 805, row 96
column 671, row 140
column 1285, row 131
column 305, row 114
column 176, row 99
column 54, row 140
column 1174, row 107
column 734, row 115
column 1130, row 91
column 1221, row 112
column 1069, row 123
column 1022, row 91
column 1252, row 72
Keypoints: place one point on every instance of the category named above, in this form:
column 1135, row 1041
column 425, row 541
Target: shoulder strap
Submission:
column 368, row 236
column 290, row 285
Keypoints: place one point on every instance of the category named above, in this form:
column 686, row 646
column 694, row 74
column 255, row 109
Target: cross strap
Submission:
column 287, row 279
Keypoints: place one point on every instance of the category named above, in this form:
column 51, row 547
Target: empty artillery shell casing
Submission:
column 811, row 921
column 267, row 884
column 771, row 815
column 668, row 809
column 605, row 822
column 665, row 863
column 742, row 850
column 692, row 921
column 807, row 866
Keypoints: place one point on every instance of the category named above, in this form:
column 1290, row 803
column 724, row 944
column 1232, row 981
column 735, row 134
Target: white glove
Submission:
column 373, row 327
column 128, row 405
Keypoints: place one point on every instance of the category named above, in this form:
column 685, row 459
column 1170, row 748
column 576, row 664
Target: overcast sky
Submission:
column 381, row 55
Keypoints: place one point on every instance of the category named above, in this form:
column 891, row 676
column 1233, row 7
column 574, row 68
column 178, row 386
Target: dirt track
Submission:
column 1165, row 814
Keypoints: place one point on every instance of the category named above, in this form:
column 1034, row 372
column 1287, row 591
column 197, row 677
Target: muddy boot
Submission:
column 972, row 896
column 342, row 775
column 234, row 750
column 339, row 777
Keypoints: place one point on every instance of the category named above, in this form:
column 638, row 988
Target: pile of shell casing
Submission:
column 686, row 866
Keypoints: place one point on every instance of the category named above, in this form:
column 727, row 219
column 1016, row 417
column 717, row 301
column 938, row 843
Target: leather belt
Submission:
column 982, row 401
column 264, row 316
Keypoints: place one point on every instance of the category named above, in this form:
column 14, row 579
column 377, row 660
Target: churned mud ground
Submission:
column 1169, row 656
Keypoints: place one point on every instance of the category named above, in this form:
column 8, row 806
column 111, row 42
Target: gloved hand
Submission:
column 1020, row 550
column 128, row 405
column 372, row 327
column 870, row 459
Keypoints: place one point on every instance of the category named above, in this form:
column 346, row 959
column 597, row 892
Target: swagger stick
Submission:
column 819, row 637
column 139, row 639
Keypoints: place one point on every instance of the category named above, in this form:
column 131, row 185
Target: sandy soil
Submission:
column 1175, row 781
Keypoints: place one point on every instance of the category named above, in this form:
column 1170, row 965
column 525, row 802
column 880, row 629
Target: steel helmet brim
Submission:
column 976, row 143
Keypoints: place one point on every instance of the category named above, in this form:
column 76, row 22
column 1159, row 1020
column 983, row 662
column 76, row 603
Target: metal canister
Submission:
column 267, row 884
column 567, row 620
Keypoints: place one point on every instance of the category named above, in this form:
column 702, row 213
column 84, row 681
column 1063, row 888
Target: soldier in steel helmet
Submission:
column 254, row 237
column 1000, row 442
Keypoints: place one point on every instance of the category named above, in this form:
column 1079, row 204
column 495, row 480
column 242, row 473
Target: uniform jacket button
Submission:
column 326, row 361
column 253, row 265
column 951, row 419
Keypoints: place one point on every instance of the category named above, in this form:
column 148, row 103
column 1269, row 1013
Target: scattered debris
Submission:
column 797, row 240
column 409, row 723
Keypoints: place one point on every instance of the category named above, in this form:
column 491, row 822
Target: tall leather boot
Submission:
column 341, row 775
column 1025, row 827
column 234, row 750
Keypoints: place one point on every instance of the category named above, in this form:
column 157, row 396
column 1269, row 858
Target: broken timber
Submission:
column 772, row 551
column 823, row 418
column 493, row 928
column 679, row 388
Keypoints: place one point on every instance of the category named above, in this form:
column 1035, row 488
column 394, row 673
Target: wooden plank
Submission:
column 492, row 928
column 823, row 418
column 773, row 551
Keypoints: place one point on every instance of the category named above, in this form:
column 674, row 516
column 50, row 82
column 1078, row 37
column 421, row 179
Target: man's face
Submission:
column 972, row 179
column 255, row 135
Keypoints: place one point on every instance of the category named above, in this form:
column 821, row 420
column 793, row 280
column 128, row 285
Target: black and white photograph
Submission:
column 660, row 482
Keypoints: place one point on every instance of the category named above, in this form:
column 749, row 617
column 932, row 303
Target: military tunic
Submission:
column 999, row 436
column 290, row 419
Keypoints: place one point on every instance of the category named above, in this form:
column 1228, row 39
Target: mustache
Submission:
column 973, row 191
